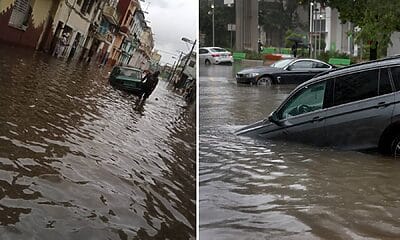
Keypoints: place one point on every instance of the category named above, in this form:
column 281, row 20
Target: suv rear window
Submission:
column 355, row 87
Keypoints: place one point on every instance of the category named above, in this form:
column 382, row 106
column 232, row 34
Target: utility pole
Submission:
column 213, row 24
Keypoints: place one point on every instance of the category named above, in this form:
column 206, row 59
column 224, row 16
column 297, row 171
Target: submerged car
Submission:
column 286, row 71
column 215, row 55
column 127, row 78
column 353, row 108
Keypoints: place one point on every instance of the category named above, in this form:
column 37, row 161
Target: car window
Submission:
column 203, row 51
column 309, row 99
column 302, row 65
column 218, row 50
column 131, row 73
column 281, row 63
column 385, row 86
column 396, row 77
column 354, row 87
column 320, row 65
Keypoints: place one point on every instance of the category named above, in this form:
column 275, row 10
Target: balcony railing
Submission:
column 111, row 14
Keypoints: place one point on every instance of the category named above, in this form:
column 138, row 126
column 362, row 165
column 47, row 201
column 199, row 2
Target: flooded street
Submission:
column 261, row 189
column 81, row 160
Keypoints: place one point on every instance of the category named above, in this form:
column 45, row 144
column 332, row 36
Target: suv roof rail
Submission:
column 397, row 56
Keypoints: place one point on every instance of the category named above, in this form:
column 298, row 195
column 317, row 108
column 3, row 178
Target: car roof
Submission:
column 384, row 62
column 130, row 68
column 208, row 48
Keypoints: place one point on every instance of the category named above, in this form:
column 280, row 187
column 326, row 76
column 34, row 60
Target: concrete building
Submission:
column 26, row 23
column 335, row 34
column 73, row 18
column 125, row 43
column 246, row 25
column 394, row 49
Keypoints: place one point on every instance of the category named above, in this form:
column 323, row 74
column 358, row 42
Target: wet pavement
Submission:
column 81, row 160
column 261, row 189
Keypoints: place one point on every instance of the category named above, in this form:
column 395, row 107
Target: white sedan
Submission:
column 214, row 55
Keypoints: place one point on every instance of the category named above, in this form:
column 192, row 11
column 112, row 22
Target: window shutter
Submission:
column 20, row 14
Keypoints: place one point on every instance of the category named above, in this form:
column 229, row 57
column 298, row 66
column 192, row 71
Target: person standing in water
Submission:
column 150, row 83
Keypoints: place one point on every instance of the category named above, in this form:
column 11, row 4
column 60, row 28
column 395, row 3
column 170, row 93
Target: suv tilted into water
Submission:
column 354, row 108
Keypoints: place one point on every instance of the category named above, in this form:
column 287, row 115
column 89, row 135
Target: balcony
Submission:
column 110, row 13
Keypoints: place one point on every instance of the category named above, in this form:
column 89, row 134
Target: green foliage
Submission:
column 290, row 34
column 279, row 16
column 223, row 15
column 325, row 56
column 254, row 55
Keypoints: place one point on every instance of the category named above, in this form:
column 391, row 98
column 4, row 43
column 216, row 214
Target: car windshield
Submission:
column 218, row 50
column 281, row 63
column 131, row 73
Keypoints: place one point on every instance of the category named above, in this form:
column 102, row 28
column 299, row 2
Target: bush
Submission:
column 254, row 55
column 325, row 56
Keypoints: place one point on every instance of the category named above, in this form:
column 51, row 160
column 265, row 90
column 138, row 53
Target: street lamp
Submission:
column 213, row 24
column 190, row 53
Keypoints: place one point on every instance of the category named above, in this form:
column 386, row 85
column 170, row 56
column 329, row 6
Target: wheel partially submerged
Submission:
column 264, row 81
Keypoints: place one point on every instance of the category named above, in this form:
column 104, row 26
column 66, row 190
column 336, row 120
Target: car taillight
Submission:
column 215, row 55
column 229, row 54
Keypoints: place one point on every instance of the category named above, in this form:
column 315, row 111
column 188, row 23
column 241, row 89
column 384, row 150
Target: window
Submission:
column 302, row 65
column 354, row 87
column 203, row 51
column 218, row 50
column 308, row 99
column 396, row 77
column 21, row 14
column 385, row 86
column 192, row 63
column 320, row 65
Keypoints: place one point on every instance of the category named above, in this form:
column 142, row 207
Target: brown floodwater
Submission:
column 262, row 189
column 81, row 160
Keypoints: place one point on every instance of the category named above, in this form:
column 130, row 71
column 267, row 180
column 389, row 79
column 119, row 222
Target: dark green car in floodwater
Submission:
column 127, row 78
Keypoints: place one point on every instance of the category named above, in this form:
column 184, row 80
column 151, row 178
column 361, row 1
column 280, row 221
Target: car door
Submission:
column 297, row 72
column 203, row 55
column 362, row 107
column 302, row 116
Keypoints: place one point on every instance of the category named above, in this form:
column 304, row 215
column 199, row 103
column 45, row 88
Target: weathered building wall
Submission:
column 30, row 34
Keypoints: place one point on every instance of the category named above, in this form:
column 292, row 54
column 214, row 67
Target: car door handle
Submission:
column 382, row 104
column 317, row 118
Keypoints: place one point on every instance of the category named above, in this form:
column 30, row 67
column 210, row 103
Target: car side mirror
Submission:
column 289, row 68
column 273, row 117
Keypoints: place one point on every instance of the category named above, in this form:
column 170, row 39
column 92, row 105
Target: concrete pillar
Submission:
column 246, row 25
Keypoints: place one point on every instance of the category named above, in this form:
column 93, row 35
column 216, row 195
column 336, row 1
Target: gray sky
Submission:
column 171, row 20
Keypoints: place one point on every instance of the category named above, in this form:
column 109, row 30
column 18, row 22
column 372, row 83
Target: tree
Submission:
column 223, row 15
column 279, row 16
column 376, row 20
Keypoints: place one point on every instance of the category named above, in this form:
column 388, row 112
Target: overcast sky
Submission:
column 171, row 20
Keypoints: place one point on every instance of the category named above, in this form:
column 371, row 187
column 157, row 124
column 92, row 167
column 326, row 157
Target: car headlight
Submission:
column 251, row 75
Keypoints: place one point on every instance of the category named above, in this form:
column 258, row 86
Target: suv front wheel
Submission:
column 395, row 146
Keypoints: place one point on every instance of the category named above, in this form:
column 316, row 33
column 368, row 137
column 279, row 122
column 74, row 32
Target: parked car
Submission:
column 286, row 71
column 215, row 55
column 127, row 78
column 355, row 108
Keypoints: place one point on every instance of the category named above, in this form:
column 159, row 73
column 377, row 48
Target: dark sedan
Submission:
column 287, row 71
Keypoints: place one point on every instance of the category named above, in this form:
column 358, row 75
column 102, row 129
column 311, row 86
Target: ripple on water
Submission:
column 80, row 160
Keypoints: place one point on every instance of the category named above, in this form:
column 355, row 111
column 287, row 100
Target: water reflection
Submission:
column 254, row 189
column 81, row 160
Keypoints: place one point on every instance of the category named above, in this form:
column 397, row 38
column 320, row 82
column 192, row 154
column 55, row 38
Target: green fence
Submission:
column 239, row 55
column 339, row 61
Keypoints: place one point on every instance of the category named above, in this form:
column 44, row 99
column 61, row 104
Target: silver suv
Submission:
column 354, row 108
